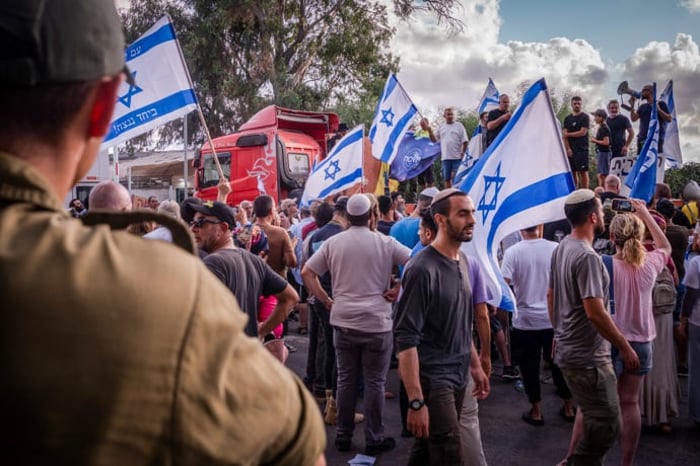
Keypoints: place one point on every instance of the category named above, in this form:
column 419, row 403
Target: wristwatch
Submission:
column 416, row 404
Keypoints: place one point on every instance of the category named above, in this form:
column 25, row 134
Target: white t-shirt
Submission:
column 527, row 265
column 360, row 262
column 692, row 279
column 451, row 137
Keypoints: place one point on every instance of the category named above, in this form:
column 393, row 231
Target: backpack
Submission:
column 663, row 296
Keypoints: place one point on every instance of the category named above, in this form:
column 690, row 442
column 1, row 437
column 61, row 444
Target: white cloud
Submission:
column 692, row 5
column 439, row 68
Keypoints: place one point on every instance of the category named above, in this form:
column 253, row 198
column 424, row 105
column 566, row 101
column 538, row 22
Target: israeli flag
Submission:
column 395, row 112
column 475, row 148
column 340, row 170
column 642, row 178
column 672, row 142
column 163, row 89
column 521, row 180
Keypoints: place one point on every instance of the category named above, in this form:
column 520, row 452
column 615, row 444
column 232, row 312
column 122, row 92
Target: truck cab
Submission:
column 273, row 152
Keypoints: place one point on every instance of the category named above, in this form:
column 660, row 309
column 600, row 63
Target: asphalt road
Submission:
column 507, row 440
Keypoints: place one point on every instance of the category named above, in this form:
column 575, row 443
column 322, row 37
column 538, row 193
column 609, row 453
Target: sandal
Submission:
column 527, row 417
column 567, row 418
column 302, row 330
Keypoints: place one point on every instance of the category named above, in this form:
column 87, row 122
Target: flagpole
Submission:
column 185, row 151
column 199, row 109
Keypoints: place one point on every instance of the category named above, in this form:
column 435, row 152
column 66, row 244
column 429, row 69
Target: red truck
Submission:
column 274, row 151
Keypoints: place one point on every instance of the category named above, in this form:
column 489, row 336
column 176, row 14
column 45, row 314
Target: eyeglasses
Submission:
column 199, row 223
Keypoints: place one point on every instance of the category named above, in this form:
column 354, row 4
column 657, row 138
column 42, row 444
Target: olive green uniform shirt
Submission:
column 119, row 350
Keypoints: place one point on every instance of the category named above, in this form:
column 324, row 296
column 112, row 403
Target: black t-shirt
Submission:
column 618, row 136
column 573, row 123
column 644, row 113
column 556, row 231
column 248, row 277
column 383, row 226
column 492, row 133
column 602, row 132
column 319, row 236
column 434, row 315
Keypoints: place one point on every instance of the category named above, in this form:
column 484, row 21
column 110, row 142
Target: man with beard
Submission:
column 583, row 330
column 433, row 333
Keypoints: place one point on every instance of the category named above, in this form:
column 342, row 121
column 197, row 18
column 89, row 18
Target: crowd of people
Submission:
column 120, row 350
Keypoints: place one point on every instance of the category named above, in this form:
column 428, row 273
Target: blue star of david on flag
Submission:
column 387, row 117
column 496, row 180
column 332, row 170
column 133, row 90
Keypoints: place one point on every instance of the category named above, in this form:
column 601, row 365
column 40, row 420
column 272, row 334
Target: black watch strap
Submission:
column 416, row 404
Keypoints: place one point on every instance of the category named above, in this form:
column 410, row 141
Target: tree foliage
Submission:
column 304, row 54
column 677, row 178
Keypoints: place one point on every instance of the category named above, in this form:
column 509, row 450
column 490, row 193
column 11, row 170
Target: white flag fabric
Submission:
column 672, row 143
column 520, row 181
column 340, row 170
column 488, row 102
column 163, row 90
column 395, row 112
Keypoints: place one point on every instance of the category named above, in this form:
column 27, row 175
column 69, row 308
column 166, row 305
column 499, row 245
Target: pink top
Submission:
column 267, row 307
column 633, row 286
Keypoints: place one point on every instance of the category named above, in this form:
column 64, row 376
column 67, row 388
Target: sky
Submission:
column 586, row 48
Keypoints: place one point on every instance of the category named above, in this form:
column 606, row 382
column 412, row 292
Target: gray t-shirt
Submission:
column 360, row 262
column 577, row 273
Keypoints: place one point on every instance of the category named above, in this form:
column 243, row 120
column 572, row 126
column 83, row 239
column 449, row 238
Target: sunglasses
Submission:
column 199, row 223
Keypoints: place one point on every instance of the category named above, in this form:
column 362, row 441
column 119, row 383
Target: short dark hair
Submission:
column 443, row 206
column 578, row 214
column 531, row 229
column 385, row 203
column 359, row 220
column 427, row 220
column 262, row 206
column 42, row 112
column 324, row 214
column 576, row 98
column 395, row 194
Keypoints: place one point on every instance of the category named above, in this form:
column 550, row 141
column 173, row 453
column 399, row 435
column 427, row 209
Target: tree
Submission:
column 677, row 178
column 304, row 54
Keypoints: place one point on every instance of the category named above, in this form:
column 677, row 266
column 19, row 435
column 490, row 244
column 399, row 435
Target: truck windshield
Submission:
column 209, row 174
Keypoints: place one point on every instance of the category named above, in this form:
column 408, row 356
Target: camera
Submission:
column 622, row 205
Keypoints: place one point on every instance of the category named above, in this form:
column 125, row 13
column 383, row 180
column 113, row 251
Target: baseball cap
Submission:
column 216, row 209
column 358, row 204
column 601, row 113
column 429, row 192
column 59, row 41
column 579, row 196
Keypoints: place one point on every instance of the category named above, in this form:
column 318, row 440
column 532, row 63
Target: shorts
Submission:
column 644, row 351
column 449, row 169
column 603, row 162
column 298, row 287
column 495, row 324
column 426, row 177
column 579, row 162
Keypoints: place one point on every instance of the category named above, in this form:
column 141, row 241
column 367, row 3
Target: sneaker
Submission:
column 374, row 449
column 510, row 373
column 343, row 444
column 682, row 371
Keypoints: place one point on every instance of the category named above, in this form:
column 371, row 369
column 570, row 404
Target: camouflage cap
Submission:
column 59, row 41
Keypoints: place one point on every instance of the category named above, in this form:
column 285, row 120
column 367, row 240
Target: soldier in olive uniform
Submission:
column 113, row 349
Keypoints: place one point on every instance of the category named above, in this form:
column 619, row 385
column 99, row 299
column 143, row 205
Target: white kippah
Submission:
column 358, row 204
column 578, row 196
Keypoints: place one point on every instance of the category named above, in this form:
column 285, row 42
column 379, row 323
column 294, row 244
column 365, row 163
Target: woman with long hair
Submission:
column 634, row 274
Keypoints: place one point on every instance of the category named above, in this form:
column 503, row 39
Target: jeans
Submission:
column 361, row 353
column 325, row 351
column 595, row 389
column 444, row 445
column 449, row 168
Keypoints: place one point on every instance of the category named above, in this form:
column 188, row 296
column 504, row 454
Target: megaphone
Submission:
column 691, row 191
column 624, row 88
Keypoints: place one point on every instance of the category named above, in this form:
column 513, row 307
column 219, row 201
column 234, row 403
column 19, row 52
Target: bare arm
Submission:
column 630, row 137
column 660, row 240
column 313, row 285
column 425, row 126
column 550, row 305
column 603, row 323
column 286, row 299
column 223, row 190
column 481, row 380
column 409, row 369
column 491, row 125
column 483, row 329
column 663, row 116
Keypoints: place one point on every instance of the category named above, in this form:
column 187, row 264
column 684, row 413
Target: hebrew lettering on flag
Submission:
column 521, row 180
column 163, row 90
column 672, row 143
column 642, row 178
column 395, row 112
column 340, row 170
